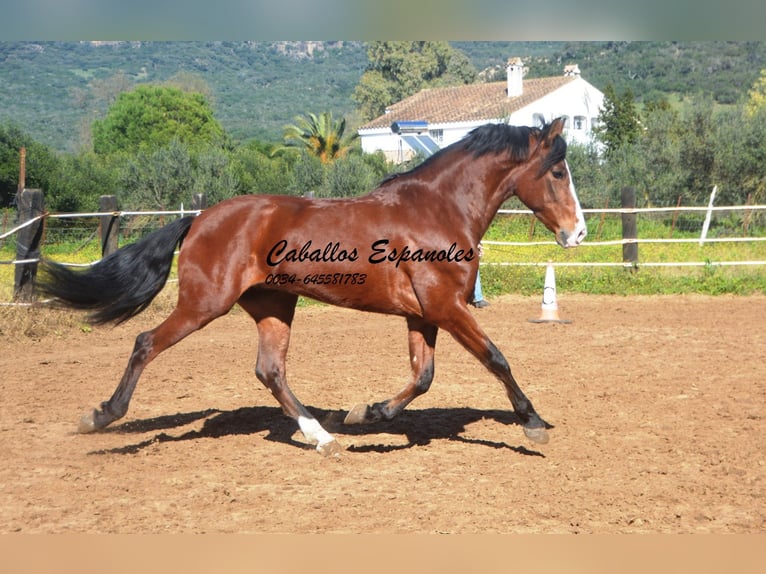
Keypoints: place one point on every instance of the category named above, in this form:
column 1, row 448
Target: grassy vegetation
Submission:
column 707, row 279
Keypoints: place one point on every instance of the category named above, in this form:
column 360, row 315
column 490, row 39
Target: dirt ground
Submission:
column 658, row 406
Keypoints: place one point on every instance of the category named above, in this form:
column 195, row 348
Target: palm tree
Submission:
column 320, row 135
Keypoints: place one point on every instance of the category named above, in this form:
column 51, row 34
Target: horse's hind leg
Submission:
column 422, row 342
column 148, row 345
column 273, row 312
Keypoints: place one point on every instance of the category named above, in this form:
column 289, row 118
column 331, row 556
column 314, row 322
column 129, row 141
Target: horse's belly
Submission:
column 359, row 287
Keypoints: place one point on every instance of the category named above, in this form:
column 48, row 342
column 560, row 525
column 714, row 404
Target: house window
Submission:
column 567, row 123
column 437, row 135
column 538, row 120
column 580, row 122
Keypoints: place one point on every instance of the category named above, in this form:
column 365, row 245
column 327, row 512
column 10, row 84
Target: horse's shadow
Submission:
column 420, row 427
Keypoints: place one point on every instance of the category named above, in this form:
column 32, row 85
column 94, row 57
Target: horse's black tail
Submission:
column 122, row 284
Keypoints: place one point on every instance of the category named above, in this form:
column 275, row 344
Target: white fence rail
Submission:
column 34, row 220
column 626, row 241
column 93, row 214
column 501, row 212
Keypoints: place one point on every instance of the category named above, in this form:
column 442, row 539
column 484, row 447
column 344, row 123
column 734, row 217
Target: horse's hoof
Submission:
column 87, row 423
column 330, row 449
column 538, row 435
column 357, row 415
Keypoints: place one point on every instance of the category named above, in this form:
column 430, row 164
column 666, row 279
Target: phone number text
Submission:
column 316, row 279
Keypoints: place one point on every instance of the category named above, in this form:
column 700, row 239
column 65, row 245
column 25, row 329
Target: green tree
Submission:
column 697, row 150
column 374, row 93
column 348, row 177
column 81, row 179
column 160, row 178
column 739, row 156
column 661, row 178
column 402, row 68
column 308, row 174
column 459, row 71
column 153, row 116
column 261, row 172
column 756, row 97
column 41, row 164
column 215, row 174
column 625, row 166
column 586, row 165
column 618, row 121
column 322, row 136
column 650, row 163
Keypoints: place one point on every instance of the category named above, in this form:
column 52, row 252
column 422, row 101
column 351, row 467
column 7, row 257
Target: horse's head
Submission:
column 544, row 184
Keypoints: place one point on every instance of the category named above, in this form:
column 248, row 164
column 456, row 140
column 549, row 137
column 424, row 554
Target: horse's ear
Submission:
column 554, row 129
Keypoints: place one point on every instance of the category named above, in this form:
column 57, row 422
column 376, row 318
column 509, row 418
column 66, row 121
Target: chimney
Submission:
column 572, row 70
column 515, row 69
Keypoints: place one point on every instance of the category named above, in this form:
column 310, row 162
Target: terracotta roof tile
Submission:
column 474, row 102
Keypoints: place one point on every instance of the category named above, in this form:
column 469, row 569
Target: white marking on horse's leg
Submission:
column 580, row 230
column 314, row 432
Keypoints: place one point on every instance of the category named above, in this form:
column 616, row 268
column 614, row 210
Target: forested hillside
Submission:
column 724, row 70
column 53, row 90
column 50, row 89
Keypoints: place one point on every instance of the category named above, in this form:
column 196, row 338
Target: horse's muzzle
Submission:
column 573, row 239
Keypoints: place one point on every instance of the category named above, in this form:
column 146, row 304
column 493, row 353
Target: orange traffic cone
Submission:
column 550, row 308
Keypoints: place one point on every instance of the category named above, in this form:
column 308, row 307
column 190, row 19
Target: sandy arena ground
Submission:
column 658, row 404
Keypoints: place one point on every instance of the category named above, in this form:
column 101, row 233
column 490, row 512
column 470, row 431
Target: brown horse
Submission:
column 408, row 248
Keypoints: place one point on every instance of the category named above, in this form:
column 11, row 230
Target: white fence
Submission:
column 34, row 220
column 701, row 240
column 648, row 210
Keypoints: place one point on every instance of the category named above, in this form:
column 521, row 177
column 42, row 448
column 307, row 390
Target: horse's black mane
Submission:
column 499, row 138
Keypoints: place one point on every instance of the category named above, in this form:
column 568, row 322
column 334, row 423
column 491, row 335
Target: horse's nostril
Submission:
column 575, row 239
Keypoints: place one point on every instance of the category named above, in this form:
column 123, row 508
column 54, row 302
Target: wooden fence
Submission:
column 30, row 228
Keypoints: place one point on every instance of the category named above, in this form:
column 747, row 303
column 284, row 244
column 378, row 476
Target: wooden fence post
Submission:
column 109, row 225
column 30, row 206
column 675, row 218
column 629, row 227
column 199, row 201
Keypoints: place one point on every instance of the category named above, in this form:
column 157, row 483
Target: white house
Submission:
column 448, row 114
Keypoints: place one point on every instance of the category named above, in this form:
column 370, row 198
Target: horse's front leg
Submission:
column 422, row 341
column 464, row 328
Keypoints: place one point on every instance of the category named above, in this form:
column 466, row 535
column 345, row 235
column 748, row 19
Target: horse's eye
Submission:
column 558, row 174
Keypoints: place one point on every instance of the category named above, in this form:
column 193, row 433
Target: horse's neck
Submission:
column 478, row 196
column 463, row 191
column 468, row 206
